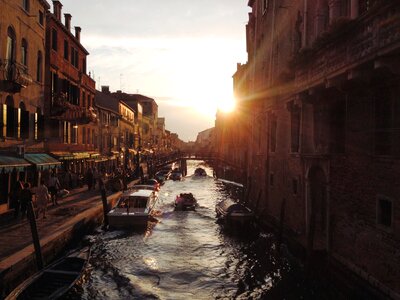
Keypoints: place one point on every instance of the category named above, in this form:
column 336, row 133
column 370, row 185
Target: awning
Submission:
column 41, row 159
column 73, row 155
column 11, row 162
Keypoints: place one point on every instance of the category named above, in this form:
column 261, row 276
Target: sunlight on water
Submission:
column 187, row 255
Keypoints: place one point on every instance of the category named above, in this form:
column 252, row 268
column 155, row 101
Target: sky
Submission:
column 182, row 53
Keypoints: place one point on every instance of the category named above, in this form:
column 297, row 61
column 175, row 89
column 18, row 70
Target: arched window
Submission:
column 10, row 51
column 24, row 52
column 39, row 67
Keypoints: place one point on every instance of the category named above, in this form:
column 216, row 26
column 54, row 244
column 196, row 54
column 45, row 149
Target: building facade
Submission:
column 22, row 54
column 318, row 99
column 72, row 131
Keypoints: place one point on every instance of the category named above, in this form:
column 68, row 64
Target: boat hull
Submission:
column 127, row 221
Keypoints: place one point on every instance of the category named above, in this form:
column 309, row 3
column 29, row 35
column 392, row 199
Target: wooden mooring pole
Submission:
column 105, row 206
column 35, row 236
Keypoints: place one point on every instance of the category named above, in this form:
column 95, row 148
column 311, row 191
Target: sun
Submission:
column 227, row 105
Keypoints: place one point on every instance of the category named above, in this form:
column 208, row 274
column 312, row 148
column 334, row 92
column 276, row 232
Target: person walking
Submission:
column 89, row 178
column 42, row 198
column 25, row 199
column 54, row 185
column 15, row 197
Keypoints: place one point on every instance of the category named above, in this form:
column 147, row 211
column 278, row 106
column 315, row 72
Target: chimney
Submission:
column 57, row 9
column 78, row 33
column 105, row 89
column 119, row 92
column 68, row 21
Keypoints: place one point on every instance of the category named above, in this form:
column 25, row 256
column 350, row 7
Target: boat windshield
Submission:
column 133, row 202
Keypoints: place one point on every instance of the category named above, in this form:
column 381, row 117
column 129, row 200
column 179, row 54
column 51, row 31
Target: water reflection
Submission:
column 186, row 255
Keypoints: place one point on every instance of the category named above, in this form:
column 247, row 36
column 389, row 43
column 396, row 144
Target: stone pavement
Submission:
column 77, row 212
column 17, row 234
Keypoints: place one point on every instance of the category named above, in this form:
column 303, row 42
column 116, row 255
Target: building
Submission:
column 205, row 142
column 147, row 115
column 318, row 99
column 22, row 68
column 109, row 131
column 72, row 129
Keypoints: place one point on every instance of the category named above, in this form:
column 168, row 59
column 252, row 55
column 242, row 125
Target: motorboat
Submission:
column 163, row 175
column 200, row 172
column 133, row 208
column 176, row 175
column 54, row 281
column 233, row 213
column 185, row 201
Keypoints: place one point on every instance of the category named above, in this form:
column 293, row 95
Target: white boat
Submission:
column 133, row 208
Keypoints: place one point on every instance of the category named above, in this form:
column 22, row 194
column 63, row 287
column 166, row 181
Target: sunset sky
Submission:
column 183, row 53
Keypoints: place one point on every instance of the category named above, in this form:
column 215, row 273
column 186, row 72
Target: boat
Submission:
column 176, row 175
column 200, row 172
column 232, row 213
column 55, row 280
column 133, row 208
column 185, row 201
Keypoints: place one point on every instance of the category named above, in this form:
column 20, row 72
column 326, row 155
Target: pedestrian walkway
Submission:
column 17, row 234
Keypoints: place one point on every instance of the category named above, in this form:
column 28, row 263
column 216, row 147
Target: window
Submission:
column 74, row 134
column 387, row 122
column 25, row 5
column 54, row 40
column 24, row 52
column 84, row 65
column 271, row 179
column 23, row 122
column 74, row 57
column 384, row 212
column 83, row 135
column 41, row 18
column 11, row 117
column 10, row 51
column 67, row 132
column 39, row 66
column 66, row 50
column 83, row 99
column 88, row 137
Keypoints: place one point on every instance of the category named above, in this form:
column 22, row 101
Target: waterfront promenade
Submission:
column 80, row 211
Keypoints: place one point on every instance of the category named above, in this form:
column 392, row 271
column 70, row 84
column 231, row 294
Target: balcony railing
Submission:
column 63, row 110
column 13, row 76
column 360, row 41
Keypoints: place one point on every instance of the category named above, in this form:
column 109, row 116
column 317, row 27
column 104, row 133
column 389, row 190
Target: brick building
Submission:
column 72, row 130
column 318, row 104
column 22, row 67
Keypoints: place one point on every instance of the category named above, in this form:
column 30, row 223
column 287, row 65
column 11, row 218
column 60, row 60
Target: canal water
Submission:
column 187, row 255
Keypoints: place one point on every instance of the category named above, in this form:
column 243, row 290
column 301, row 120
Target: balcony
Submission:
column 63, row 110
column 357, row 43
column 13, row 76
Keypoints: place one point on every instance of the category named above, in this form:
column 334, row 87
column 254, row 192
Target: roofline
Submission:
column 58, row 22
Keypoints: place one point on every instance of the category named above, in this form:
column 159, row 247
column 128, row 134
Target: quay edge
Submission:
column 17, row 267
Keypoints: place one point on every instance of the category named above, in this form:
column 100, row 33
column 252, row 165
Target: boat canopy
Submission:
column 230, row 206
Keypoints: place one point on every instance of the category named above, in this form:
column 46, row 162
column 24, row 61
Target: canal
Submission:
column 187, row 255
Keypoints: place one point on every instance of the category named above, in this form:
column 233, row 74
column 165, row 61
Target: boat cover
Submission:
column 230, row 206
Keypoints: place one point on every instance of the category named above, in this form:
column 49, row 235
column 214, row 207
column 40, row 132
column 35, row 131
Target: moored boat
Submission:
column 133, row 208
column 233, row 213
column 185, row 201
column 200, row 172
column 55, row 280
